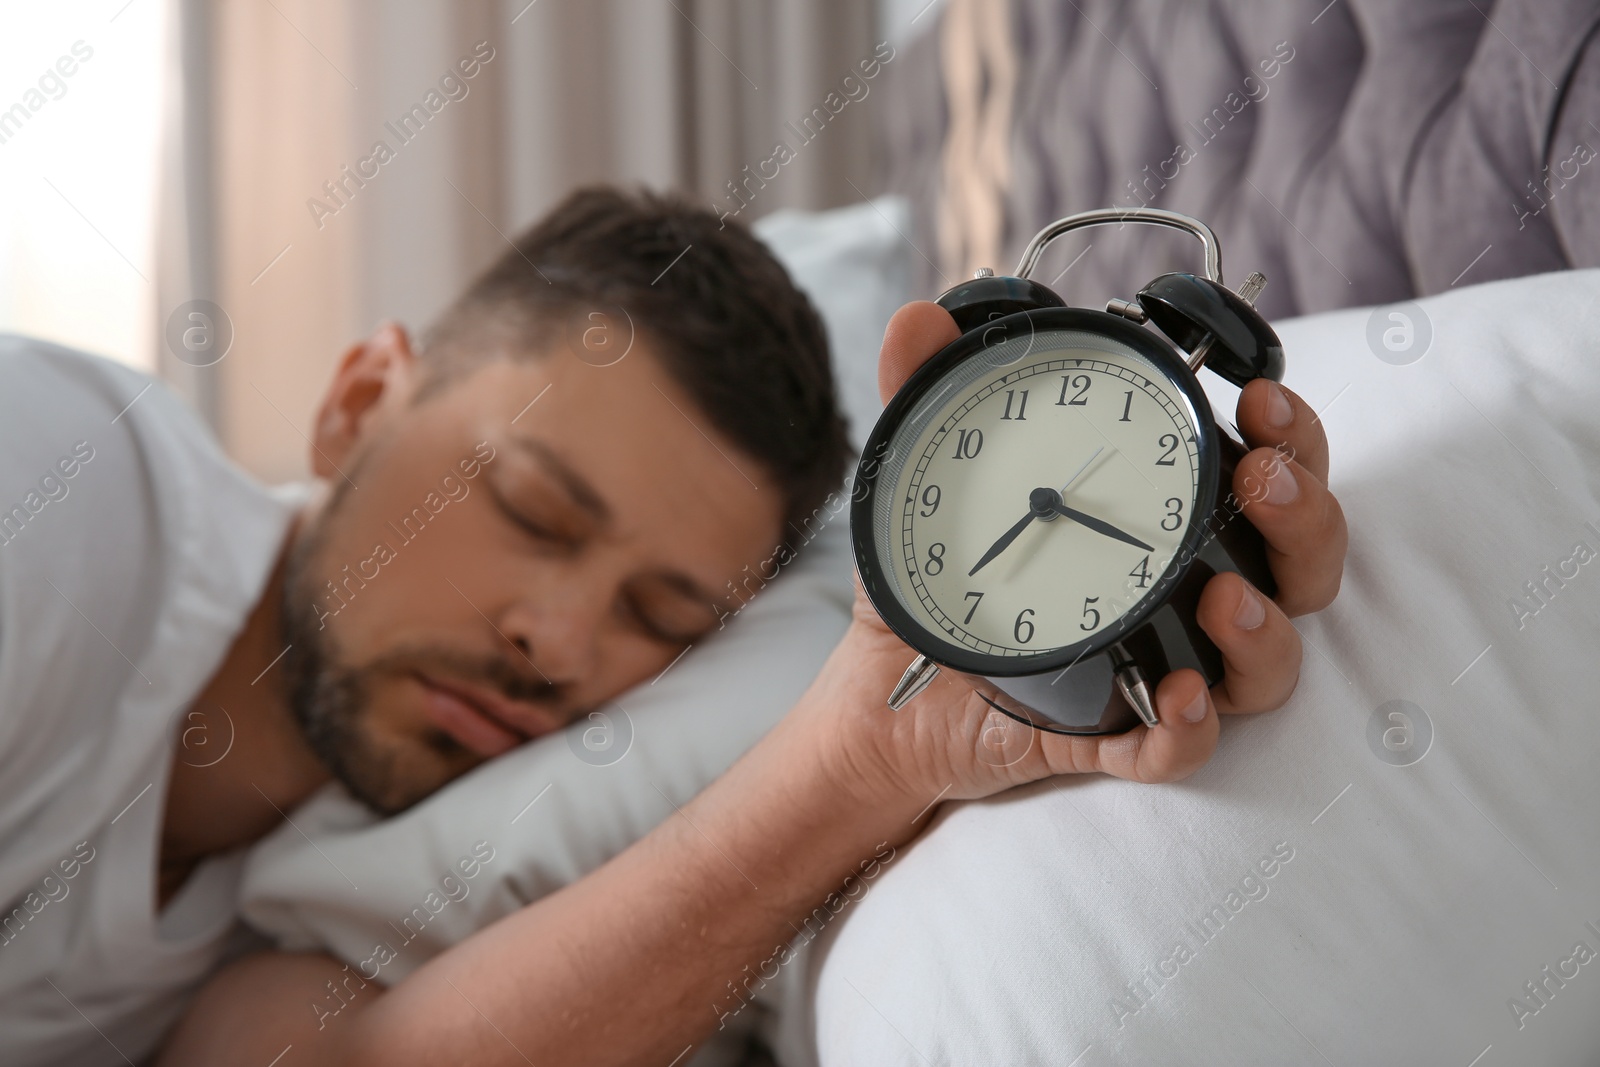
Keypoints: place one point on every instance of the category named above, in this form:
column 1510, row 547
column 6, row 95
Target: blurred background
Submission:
column 214, row 150
column 227, row 193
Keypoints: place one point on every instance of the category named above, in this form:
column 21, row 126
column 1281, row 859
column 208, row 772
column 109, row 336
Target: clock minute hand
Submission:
column 1100, row 526
column 1005, row 541
column 1041, row 505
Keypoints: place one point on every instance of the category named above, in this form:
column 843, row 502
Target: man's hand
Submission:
column 949, row 743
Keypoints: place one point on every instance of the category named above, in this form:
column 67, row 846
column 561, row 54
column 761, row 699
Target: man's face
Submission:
column 485, row 570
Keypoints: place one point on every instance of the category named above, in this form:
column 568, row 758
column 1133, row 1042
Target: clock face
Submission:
column 1037, row 493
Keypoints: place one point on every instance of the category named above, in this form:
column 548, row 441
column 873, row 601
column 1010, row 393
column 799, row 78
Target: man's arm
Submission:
column 631, row 964
column 638, row 960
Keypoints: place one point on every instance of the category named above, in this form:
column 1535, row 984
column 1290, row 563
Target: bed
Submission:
column 1397, row 868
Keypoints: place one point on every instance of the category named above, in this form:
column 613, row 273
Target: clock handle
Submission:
column 1148, row 216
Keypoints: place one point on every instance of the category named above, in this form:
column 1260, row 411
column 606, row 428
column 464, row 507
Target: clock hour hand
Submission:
column 1098, row 525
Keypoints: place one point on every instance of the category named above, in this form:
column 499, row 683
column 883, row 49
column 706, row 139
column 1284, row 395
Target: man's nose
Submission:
column 556, row 627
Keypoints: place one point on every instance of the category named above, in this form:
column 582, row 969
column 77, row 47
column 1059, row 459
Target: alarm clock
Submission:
column 1040, row 506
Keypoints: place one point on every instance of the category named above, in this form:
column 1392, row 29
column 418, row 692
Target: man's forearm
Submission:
column 631, row 964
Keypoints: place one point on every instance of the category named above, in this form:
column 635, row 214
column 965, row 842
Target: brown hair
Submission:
column 723, row 315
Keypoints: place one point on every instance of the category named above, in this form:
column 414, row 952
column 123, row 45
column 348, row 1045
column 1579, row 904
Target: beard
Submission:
column 333, row 701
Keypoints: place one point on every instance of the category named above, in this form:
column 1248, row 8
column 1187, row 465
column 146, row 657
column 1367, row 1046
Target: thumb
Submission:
column 1171, row 751
column 917, row 331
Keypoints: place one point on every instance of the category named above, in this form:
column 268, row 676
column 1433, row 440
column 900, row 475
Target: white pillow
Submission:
column 341, row 881
column 386, row 896
column 596, row 782
column 855, row 265
column 1319, row 893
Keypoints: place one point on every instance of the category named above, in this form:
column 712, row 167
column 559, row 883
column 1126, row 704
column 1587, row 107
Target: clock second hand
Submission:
column 1081, row 469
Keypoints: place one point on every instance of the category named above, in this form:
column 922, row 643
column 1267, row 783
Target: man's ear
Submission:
column 375, row 376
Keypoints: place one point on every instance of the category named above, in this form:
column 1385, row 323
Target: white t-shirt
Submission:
column 131, row 552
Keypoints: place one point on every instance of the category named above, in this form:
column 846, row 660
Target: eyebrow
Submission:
column 584, row 494
column 576, row 485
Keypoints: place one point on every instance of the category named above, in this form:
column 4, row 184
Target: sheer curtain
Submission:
column 307, row 233
column 80, row 117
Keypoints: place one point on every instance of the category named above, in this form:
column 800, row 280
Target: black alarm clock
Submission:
column 1041, row 504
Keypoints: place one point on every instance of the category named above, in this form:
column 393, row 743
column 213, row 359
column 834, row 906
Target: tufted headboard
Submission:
column 1356, row 152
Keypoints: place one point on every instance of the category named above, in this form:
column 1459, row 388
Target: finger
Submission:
column 915, row 333
column 1177, row 747
column 1303, row 525
column 1260, row 647
column 1271, row 416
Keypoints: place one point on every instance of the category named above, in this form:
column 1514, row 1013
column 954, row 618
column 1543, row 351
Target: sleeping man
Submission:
column 512, row 522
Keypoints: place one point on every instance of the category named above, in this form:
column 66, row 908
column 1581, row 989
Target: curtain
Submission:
column 979, row 68
column 344, row 167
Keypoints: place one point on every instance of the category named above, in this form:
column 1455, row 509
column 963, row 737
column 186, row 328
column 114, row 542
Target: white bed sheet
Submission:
column 1366, row 906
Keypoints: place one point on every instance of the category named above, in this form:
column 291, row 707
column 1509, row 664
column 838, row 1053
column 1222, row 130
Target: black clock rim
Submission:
column 876, row 577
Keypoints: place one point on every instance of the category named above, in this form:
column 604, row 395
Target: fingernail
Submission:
column 1281, row 484
column 1251, row 612
column 1279, row 412
column 1197, row 707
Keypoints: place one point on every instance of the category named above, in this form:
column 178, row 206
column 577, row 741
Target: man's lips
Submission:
column 482, row 721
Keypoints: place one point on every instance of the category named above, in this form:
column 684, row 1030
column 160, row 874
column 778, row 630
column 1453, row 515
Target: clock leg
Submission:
column 1134, row 688
column 917, row 677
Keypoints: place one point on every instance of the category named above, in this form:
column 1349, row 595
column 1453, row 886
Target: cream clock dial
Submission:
column 1041, row 502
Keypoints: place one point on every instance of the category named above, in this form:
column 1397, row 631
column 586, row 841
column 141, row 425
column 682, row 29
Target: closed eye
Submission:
column 545, row 498
column 666, row 613
column 536, row 522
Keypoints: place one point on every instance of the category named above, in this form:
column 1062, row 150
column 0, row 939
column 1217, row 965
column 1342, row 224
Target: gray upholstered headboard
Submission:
column 1358, row 151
